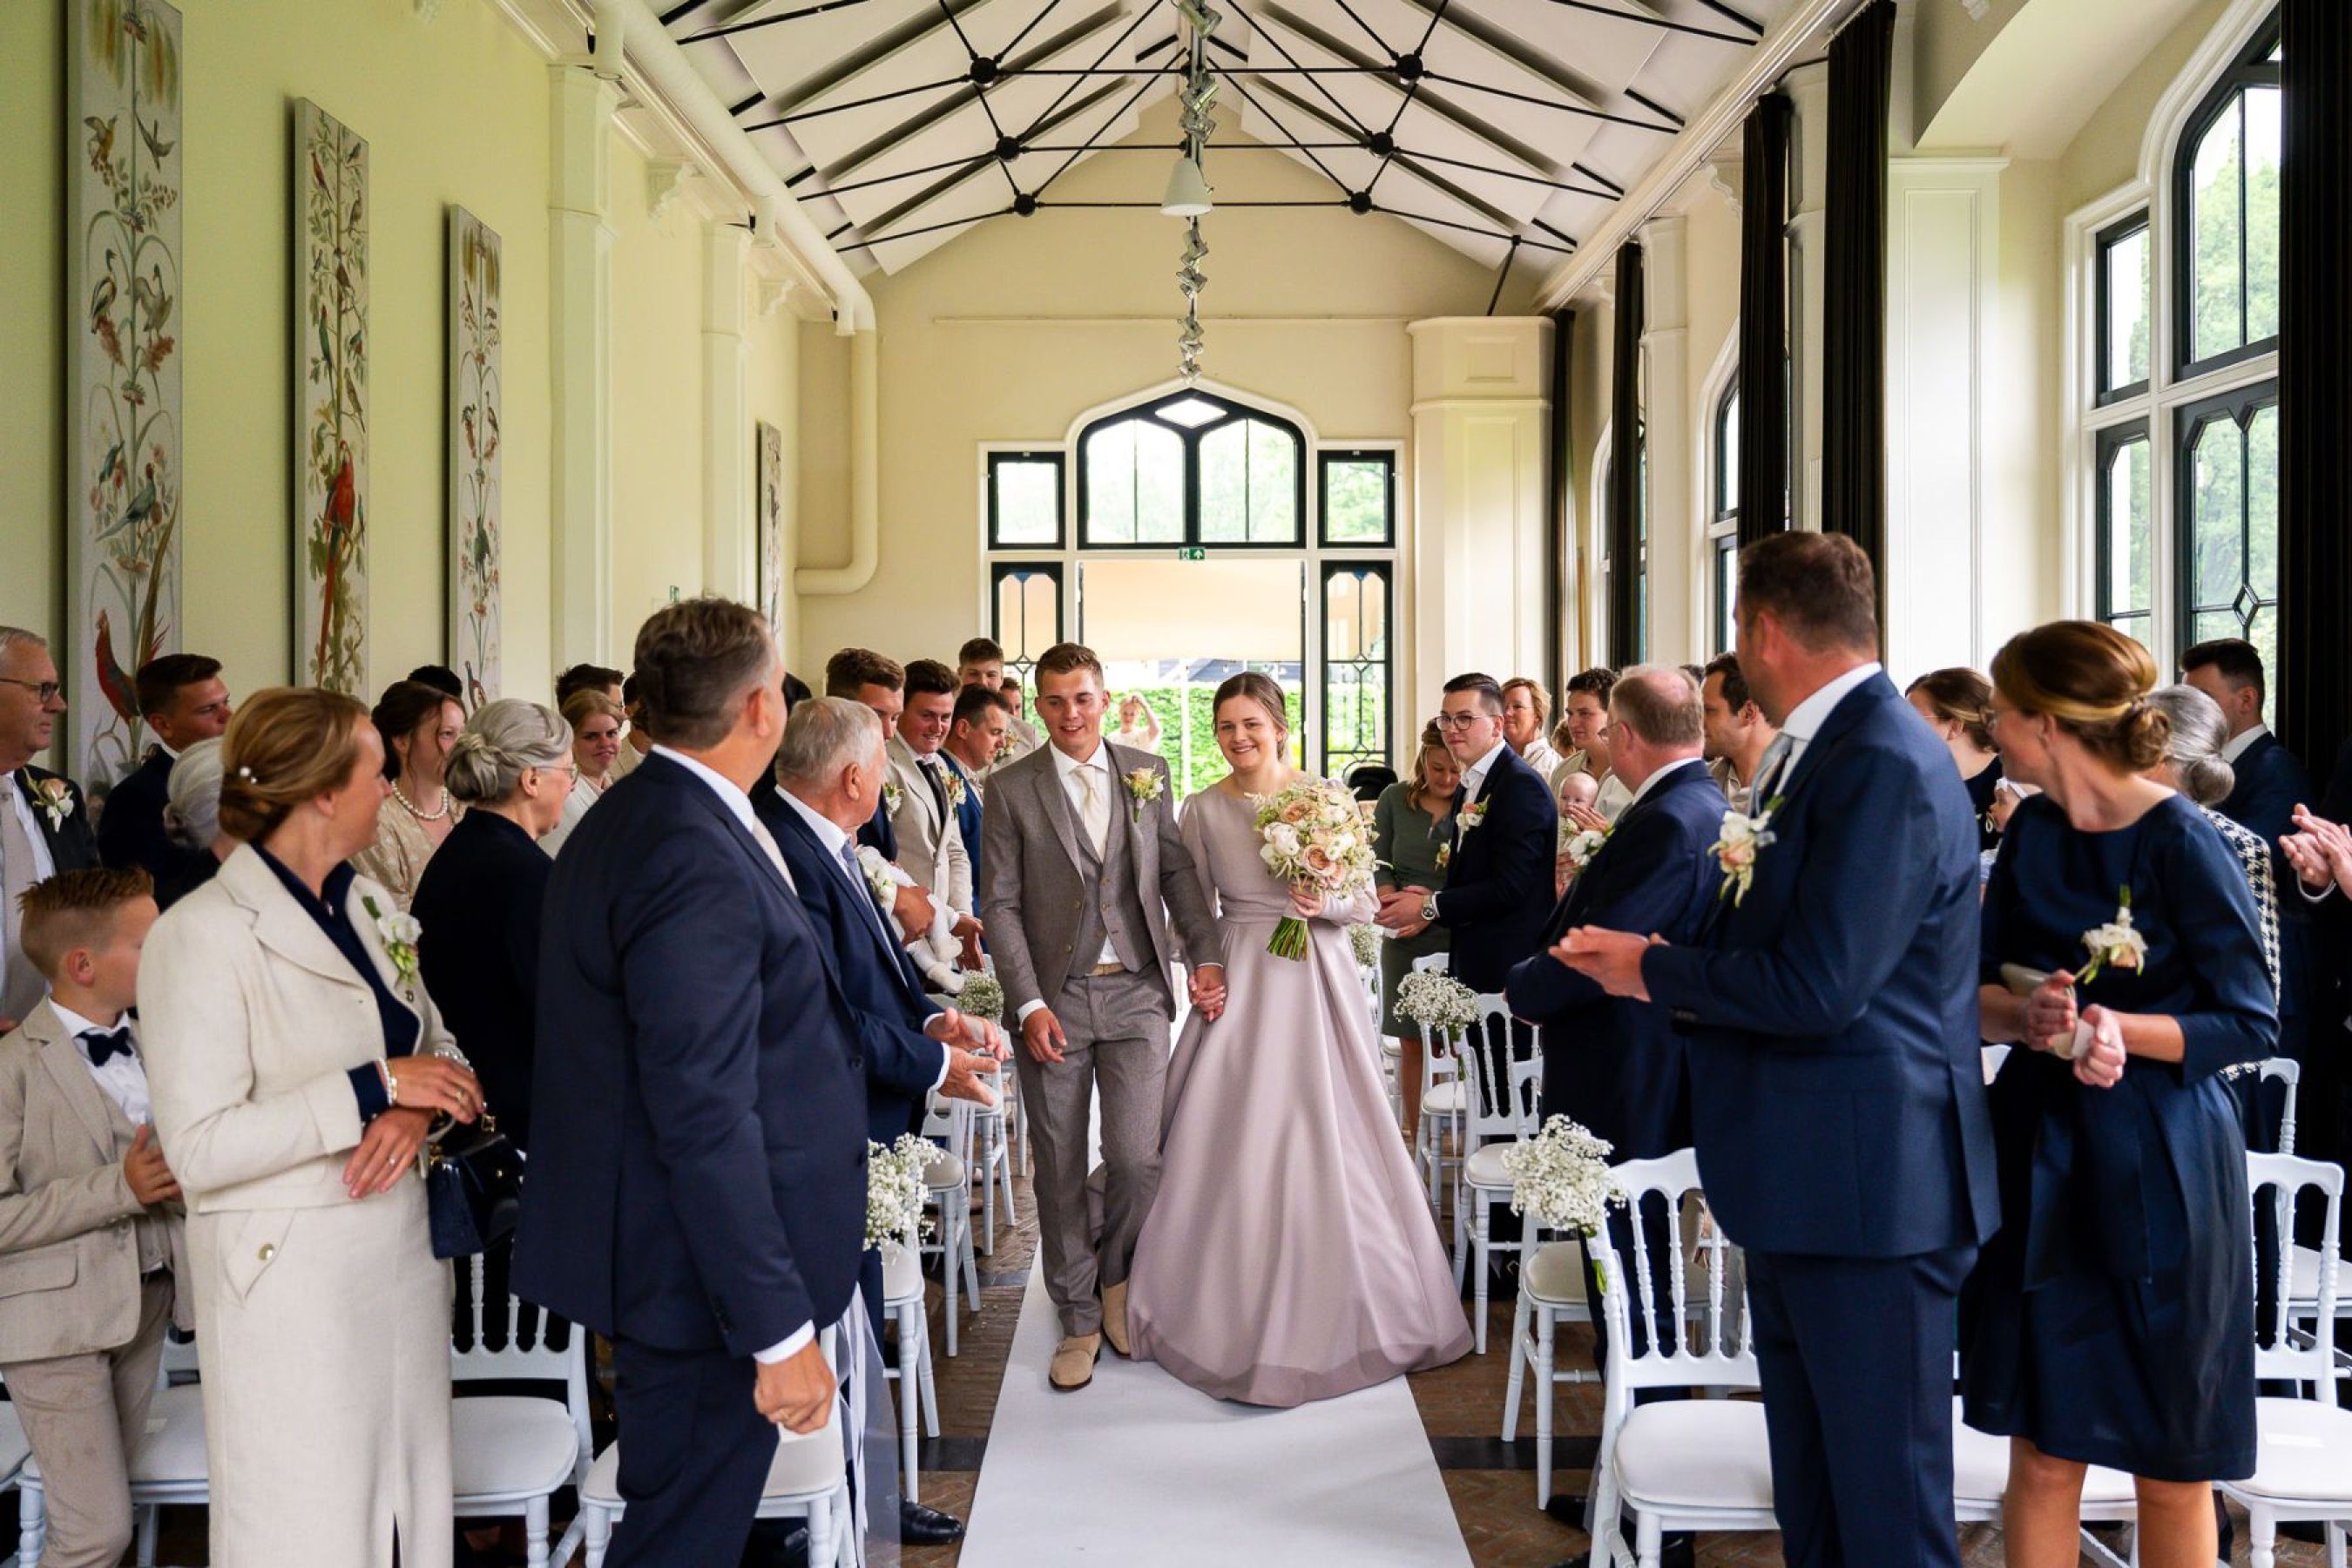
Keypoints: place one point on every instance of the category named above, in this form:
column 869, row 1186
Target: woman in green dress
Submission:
column 1412, row 834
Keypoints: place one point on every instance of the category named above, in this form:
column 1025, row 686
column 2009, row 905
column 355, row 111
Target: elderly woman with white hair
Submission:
column 192, row 822
column 2193, row 764
column 480, row 897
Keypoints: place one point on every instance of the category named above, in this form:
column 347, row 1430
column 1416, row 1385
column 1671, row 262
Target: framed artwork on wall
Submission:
column 123, row 369
column 770, row 490
column 474, row 496
column 331, row 217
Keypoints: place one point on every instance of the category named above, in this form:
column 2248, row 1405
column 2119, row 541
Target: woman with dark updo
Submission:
column 2110, row 1321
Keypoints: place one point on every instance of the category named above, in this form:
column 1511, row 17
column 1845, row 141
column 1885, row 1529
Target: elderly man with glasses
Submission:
column 44, row 821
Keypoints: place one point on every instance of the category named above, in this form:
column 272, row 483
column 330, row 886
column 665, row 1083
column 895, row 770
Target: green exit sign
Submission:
column 1191, row 552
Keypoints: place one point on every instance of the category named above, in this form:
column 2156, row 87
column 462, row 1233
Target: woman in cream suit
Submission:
column 296, row 1064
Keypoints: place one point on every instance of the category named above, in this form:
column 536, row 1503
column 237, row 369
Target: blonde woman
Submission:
column 1139, row 726
column 296, row 1064
column 597, row 724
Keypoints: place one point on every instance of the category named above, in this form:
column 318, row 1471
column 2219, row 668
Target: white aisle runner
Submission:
column 1138, row 1470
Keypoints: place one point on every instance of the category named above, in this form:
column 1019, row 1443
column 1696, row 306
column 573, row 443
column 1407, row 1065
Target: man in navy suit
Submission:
column 183, row 700
column 1507, row 828
column 1837, row 1095
column 829, row 773
column 698, row 1162
column 975, row 735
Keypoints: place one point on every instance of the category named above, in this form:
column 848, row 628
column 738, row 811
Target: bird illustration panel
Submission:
column 331, row 402
column 475, row 495
column 122, row 411
column 771, row 542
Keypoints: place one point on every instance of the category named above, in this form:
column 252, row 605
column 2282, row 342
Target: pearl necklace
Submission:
column 410, row 806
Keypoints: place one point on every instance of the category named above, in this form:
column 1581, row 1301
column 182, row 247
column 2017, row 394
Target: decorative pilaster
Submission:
column 579, row 332
column 1674, row 528
column 727, row 534
column 1808, row 88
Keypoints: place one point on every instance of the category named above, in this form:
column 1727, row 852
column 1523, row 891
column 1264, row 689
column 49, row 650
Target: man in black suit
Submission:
column 697, row 1169
column 1499, row 885
column 183, row 700
column 43, row 822
column 829, row 773
column 1836, row 1079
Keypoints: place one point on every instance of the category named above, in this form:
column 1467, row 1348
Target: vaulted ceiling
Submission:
column 1501, row 127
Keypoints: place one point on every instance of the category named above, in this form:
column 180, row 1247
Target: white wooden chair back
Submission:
column 1714, row 1337
column 949, row 1121
column 1439, row 1062
column 527, row 1356
column 1498, row 1113
column 2284, row 1349
column 2284, row 1071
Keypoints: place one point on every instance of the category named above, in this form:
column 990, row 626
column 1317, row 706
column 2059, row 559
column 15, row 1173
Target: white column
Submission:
column 1674, row 528
column 580, row 331
column 1809, row 90
column 1943, row 234
column 1476, row 588
column 729, row 535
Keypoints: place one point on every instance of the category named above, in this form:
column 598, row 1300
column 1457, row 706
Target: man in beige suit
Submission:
column 923, row 818
column 90, row 1236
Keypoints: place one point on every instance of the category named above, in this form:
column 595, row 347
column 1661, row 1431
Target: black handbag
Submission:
column 473, row 1188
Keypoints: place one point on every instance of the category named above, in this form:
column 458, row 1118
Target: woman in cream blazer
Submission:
column 295, row 1063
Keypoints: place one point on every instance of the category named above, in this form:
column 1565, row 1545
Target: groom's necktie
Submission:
column 1096, row 809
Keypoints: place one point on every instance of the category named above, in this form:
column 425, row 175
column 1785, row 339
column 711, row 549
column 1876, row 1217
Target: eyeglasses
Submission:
column 1460, row 720
column 47, row 690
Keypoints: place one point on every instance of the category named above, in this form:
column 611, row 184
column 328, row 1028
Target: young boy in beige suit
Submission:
column 90, row 1237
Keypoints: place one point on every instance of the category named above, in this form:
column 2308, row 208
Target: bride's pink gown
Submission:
column 1290, row 1254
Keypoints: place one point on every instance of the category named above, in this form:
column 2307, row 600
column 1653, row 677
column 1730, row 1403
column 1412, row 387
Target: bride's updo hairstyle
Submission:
column 1260, row 690
column 2094, row 682
column 286, row 745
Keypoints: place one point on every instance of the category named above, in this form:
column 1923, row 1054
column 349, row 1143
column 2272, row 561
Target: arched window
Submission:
column 1723, row 520
column 2180, row 278
column 1192, row 469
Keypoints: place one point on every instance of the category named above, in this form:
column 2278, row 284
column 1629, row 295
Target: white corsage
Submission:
column 2116, row 944
column 955, row 788
column 1144, row 785
column 1736, row 848
column 881, row 879
column 55, row 797
column 1471, row 815
column 398, row 932
column 1444, row 855
column 1578, row 845
column 891, row 796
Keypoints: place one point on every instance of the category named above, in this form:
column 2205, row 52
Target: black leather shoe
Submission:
column 920, row 1526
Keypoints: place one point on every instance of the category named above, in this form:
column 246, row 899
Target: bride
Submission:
column 1290, row 1255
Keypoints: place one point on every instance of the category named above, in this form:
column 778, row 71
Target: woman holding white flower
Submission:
column 2109, row 1322
column 296, row 1064
column 1289, row 1255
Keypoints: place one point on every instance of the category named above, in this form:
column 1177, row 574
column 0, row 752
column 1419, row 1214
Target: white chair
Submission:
column 947, row 1186
column 168, row 1470
column 808, row 1478
column 1551, row 1293
column 1442, row 1092
column 1496, row 1116
column 2303, row 1465
column 510, row 1454
column 902, row 1302
column 992, row 1155
column 2303, row 1278
column 1695, row 1464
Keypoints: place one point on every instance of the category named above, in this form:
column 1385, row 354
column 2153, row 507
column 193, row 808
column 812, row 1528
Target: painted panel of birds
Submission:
column 123, row 412
column 476, row 496
column 331, row 404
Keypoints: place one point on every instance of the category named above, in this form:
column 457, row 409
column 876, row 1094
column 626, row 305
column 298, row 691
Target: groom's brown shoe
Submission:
column 1114, row 1327
column 1073, row 1363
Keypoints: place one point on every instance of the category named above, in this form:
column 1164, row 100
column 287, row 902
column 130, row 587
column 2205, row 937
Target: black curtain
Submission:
column 1853, row 337
column 2314, row 673
column 1560, row 483
column 1625, row 462
column 1763, row 479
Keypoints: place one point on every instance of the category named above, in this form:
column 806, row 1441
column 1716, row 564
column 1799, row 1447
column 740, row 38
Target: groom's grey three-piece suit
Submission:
column 1079, row 926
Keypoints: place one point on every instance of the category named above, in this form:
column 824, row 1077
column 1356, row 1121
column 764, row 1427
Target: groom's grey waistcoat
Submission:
column 1049, row 901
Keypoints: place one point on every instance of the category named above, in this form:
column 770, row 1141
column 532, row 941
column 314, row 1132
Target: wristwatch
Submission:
column 1429, row 910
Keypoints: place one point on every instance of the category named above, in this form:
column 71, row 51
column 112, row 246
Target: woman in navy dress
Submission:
column 2111, row 1320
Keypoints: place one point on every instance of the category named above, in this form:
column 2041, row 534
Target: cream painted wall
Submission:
column 453, row 110
column 2105, row 152
column 1016, row 327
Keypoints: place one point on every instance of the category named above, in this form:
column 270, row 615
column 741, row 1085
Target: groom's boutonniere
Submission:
column 891, row 796
column 880, row 880
column 1144, row 785
column 954, row 788
column 1471, row 815
column 55, row 797
column 1738, row 846
column 398, row 932
column 2118, row 943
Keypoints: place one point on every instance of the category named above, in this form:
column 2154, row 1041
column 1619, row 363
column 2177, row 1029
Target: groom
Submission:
column 1080, row 855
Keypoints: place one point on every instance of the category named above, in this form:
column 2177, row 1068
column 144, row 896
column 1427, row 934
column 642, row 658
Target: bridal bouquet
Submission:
column 1439, row 1003
column 1314, row 837
column 894, row 1187
column 1560, row 1177
column 982, row 996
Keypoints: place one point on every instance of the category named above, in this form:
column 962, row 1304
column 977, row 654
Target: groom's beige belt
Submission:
column 1101, row 969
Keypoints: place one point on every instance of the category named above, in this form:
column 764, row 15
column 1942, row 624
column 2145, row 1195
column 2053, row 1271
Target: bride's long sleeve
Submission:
column 1193, row 828
column 1351, row 912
